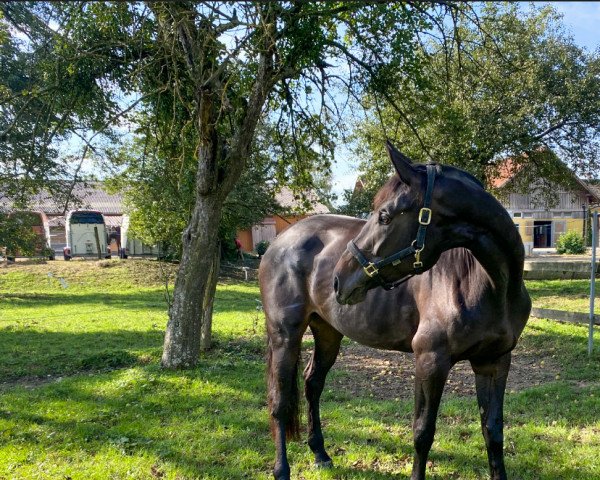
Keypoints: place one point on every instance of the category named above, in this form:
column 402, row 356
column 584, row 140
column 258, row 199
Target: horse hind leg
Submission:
column 283, row 359
column 490, row 383
column 327, row 346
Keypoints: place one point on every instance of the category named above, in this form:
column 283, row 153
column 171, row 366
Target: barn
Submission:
column 273, row 225
column 542, row 222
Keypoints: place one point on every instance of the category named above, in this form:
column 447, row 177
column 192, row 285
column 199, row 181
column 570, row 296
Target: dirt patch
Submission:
column 386, row 375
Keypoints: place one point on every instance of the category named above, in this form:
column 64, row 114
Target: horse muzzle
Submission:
column 348, row 284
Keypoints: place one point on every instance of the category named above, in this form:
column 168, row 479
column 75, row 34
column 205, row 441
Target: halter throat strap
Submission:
column 371, row 269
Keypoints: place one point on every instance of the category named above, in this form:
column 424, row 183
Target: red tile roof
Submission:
column 94, row 197
column 506, row 171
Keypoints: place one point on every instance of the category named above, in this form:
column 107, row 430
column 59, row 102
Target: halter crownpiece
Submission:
column 371, row 269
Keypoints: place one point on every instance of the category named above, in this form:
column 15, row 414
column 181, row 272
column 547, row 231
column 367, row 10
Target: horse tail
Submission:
column 280, row 403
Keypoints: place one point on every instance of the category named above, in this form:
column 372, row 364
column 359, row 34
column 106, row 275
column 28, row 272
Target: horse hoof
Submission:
column 324, row 465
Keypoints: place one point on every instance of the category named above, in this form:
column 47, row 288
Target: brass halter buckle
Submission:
column 425, row 216
column 418, row 263
column 371, row 270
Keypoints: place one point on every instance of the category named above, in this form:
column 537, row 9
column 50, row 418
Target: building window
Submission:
column 517, row 214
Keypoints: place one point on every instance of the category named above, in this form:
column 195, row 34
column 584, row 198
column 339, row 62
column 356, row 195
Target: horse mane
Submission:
column 390, row 188
column 388, row 191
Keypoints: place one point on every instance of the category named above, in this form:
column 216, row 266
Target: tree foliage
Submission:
column 510, row 85
column 357, row 202
column 52, row 91
column 17, row 234
column 159, row 192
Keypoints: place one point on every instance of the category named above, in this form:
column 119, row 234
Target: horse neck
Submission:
column 489, row 233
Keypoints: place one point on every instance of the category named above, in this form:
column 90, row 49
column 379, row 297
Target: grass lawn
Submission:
column 82, row 395
column 570, row 295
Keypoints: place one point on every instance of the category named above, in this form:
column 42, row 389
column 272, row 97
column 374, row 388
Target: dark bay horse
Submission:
column 466, row 300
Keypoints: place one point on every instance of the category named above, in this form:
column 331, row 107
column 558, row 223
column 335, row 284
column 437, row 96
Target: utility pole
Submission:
column 584, row 225
column 593, row 281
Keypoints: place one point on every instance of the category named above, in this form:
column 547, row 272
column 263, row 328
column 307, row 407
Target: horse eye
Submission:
column 384, row 218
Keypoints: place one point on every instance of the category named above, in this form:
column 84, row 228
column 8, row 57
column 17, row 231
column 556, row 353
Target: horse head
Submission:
column 413, row 220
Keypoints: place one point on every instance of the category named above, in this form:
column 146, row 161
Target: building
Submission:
column 93, row 196
column 90, row 196
column 273, row 225
column 542, row 222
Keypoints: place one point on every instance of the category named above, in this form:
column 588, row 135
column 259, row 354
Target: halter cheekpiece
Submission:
column 371, row 269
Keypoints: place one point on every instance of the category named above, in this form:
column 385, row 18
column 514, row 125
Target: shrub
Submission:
column 570, row 243
column 261, row 247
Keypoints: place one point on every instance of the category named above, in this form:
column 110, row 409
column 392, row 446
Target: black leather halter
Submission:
column 371, row 269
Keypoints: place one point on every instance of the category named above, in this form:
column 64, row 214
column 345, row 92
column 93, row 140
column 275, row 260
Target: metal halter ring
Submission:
column 417, row 250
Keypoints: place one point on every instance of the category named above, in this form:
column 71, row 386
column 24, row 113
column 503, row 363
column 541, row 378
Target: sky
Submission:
column 581, row 20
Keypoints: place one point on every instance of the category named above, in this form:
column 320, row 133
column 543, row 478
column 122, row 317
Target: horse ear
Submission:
column 402, row 163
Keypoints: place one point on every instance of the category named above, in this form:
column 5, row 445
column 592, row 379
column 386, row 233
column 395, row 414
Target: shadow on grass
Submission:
column 143, row 299
column 192, row 420
column 32, row 354
column 204, row 421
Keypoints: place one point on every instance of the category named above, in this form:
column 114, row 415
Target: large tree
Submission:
column 204, row 74
column 511, row 85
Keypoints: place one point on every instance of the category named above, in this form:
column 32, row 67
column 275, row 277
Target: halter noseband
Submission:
column 371, row 269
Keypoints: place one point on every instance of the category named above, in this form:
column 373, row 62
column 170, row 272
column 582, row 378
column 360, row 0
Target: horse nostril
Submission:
column 336, row 284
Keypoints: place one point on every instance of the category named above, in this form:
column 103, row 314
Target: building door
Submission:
column 542, row 234
column 264, row 231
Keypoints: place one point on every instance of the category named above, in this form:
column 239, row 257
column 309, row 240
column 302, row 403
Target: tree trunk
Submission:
column 209, row 297
column 220, row 165
column 200, row 244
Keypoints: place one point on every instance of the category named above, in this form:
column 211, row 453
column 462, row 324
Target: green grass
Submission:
column 108, row 411
column 569, row 295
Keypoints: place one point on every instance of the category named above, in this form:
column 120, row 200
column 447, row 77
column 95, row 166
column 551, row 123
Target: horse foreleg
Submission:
column 327, row 346
column 490, row 382
column 281, row 470
column 430, row 377
column 283, row 360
